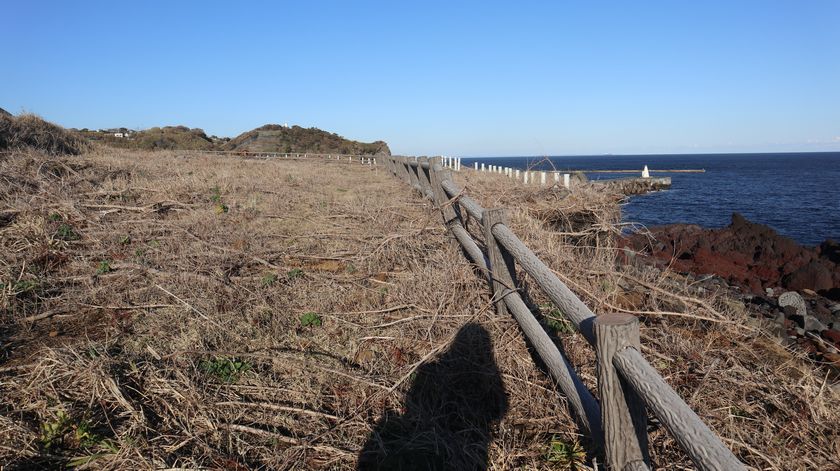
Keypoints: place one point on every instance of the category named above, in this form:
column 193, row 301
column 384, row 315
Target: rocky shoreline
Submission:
column 796, row 289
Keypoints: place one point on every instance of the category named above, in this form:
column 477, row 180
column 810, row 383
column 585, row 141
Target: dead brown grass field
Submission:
column 169, row 311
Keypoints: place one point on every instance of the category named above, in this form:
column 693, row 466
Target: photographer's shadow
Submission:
column 450, row 412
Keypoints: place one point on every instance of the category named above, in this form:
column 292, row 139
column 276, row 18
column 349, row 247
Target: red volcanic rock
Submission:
column 814, row 275
column 746, row 254
column 832, row 336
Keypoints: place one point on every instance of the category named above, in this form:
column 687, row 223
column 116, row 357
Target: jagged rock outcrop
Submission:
column 746, row 254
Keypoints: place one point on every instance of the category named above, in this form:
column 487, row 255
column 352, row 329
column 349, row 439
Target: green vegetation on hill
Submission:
column 167, row 137
column 277, row 138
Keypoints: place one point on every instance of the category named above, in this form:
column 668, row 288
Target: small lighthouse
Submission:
column 645, row 172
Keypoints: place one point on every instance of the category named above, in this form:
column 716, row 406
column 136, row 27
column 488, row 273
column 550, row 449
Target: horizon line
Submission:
column 544, row 156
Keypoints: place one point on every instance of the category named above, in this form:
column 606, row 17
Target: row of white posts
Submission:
column 453, row 163
column 527, row 176
column 370, row 161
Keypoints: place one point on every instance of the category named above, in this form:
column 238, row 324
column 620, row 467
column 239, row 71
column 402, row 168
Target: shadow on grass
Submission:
column 449, row 415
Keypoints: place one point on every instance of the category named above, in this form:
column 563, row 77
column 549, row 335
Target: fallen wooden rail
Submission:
column 627, row 384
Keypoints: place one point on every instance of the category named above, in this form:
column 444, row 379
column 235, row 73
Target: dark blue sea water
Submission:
column 798, row 194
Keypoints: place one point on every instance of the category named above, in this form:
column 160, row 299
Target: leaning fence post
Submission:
column 502, row 268
column 404, row 170
column 400, row 165
column 441, row 199
column 623, row 413
column 425, row 184
column 407, row 174
column 413, row 175
column 450, row 216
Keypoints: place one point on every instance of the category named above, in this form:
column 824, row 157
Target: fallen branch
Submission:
column 684, row 299
column 190, row 306
column 289, row 440
column 152, row 208
column 43, row 315
column 567, row 280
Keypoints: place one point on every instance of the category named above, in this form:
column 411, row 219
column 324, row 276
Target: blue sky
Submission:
column 458, row 78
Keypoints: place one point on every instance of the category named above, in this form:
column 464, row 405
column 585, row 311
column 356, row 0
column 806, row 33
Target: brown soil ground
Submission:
column 172, row 311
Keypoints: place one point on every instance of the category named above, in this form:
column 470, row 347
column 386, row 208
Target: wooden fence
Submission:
column 627, row 384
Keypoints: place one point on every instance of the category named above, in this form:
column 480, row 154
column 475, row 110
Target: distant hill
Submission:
column 167, row 137
column 268, row 138
column 5, row 113
column 277, row 138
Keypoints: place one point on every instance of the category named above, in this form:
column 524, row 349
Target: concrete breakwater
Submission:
column 638, row 186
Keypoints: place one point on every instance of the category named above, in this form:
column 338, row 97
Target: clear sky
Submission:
column 456, row 78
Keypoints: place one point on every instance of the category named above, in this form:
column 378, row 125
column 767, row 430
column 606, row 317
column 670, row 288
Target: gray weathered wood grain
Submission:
column 412, row 175
column 701, row 444
column 502, row 270
column 472, row 207
column 623, row 414
column 471, row 248
column 423, row 176
column 560, row 294
column 583, row 404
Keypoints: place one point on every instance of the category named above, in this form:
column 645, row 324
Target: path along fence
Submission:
column 627, row 384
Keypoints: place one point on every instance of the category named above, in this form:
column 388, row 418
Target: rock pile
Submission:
column 745, row 254
column 765, row 270
column 812, row 323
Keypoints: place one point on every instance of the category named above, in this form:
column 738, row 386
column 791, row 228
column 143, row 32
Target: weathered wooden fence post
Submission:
column 502, row 268
column 413, row 175
column 623, row 413
column 423, row 176
column 404, row 170
column 407, row 172
column 442, row 200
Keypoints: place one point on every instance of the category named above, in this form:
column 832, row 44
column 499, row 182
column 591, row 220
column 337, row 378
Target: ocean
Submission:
column 797, row 194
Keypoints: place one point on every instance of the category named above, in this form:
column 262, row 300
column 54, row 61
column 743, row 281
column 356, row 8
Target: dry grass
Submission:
column 31, row 131
column 173, row 330
column 210, row 312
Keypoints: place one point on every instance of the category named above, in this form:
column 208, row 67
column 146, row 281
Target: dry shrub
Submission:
column 771, row 405
column 31, row 131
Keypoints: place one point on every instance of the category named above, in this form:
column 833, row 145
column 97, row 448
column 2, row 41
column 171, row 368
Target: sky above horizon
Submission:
column 454, row 78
